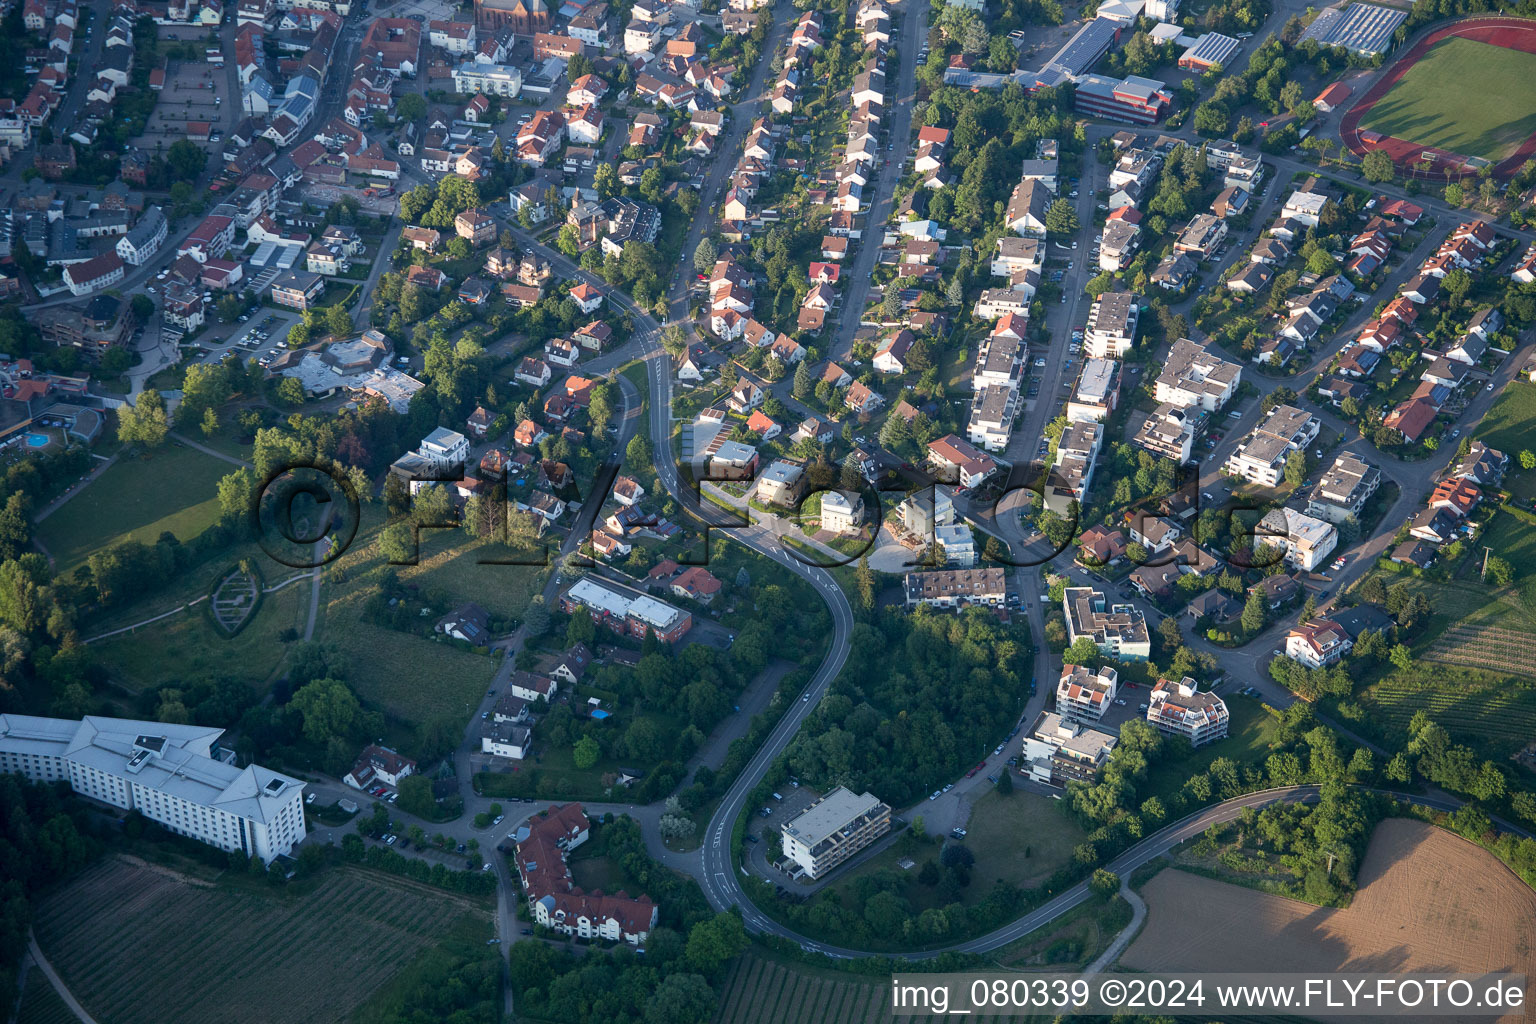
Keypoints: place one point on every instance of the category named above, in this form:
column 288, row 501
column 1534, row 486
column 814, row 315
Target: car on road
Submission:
column 1489, row 387
column 389, row 840
column 936, row 794
column 957, row 833
column 309, row 799
column 527, row 931
column 1120, row 701
column 949, row 787
column 1142, row 708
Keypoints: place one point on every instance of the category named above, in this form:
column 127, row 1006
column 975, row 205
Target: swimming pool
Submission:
column 38, row 440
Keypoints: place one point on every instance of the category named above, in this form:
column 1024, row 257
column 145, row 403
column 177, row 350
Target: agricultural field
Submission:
column 760, row 990
column 174, row 489
column 1484, row 710
column 1441, row 100
column 40, row 1004
column 1507, row 426
column 1428, row 900
column 142, row 945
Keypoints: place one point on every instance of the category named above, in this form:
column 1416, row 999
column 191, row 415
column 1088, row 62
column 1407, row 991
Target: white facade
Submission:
column 169, row 773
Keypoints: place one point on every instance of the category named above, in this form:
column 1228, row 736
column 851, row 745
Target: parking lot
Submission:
column 194, row 91
column 794, row 800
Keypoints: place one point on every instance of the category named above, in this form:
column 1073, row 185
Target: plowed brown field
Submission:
column 1427, row 901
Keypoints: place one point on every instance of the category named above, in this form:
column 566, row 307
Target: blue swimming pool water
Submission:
column 599, row 714
column 37, row 440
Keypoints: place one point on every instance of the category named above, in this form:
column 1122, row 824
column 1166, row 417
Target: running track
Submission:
column 1510, row 33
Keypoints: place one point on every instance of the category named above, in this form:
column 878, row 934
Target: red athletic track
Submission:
column 1509, row 33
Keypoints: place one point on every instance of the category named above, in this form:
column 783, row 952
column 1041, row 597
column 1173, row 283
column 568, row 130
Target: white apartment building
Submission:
column 1056, row 751
column 1111, row 326
column 1261, row 457
column 959, row 544
column 1193, row 377
column 842, row 511
column 833, row 829
column 992, row 416
column 1083, row 695
column 1180, row 709
column 1307, row 541
column 1119, row 631
column 444, row 448
column 1317, row 643
column 492, row 79
column 1097, row 392
column 175, row 775
column 1169, row 433
column 1344, row 489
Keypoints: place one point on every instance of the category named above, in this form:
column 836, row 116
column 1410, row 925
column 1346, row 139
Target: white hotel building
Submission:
column 174, row 775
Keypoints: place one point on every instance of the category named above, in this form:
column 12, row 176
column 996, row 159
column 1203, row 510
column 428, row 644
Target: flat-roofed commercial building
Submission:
column 175, row 775
column 1131, row 99
column 1180, row 709
column 833, row 829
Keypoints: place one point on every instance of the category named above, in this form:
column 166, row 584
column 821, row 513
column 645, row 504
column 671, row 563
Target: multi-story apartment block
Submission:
column 1083, row 694
column 1111, row 326
column 833, row 829
column 1097, row 392
column 1119, row 631
column 1344, row 489
column 1307, row 541
column 1169, row 433
column 951, row 588
column 625, row 610
column 1193, row 377
column 1057, row 751
column 1180, row 709
column 992, row 416
column 175, row 775
column 554, row 899
column 1261, row 457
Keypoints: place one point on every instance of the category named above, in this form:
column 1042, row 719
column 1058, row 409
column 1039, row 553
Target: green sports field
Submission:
column 1444, row 100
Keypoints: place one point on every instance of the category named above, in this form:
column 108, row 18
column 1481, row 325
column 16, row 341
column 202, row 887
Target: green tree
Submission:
column 1527, row 459
column 290, row 391
column 327, row 708
column 338, row 321
column 1104, row 883
column 1253, row 613
column 411, row 107
column 1377, row 166
column 586, row 752
column 1061, row 218
column 1296, row 468
column 416, row 796
column 1211, row 118
column 1402, row 657
column 144, row 422
column 705, row 255
column 1500, row 572
column 1454, row 195
column 715, row 942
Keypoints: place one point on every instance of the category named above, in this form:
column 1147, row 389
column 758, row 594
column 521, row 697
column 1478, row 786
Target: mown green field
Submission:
column 174, row 489
column 189, row 646
column 139, row 945
column 1443, row 100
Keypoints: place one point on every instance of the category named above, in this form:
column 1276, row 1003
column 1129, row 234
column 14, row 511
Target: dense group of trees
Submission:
column 921, row 694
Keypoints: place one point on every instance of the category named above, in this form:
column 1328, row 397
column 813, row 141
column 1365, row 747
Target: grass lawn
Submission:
column 174, row 489
column 1442, row 100
column 1020, row 838
column 189, row 646
column 1250, row 734
column 407, row 676
column 1509, row 423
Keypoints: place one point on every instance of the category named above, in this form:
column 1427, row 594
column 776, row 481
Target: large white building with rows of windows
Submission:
column 175, row 775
